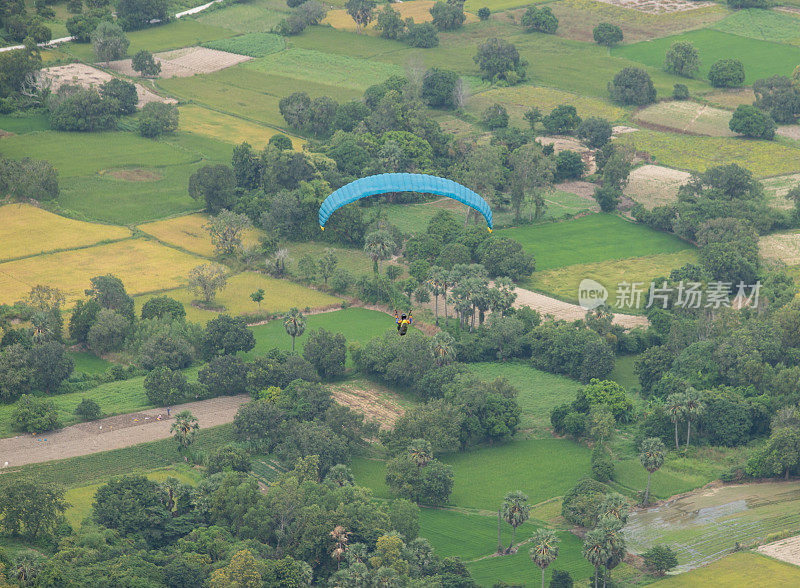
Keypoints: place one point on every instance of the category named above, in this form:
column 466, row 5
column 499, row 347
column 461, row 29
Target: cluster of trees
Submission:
column 18, row 78
column 311, row 528
column 28, row 179
column 540, row 20
column 23, row 27
column 303, row 15
column 683, row 59
column 422, row 35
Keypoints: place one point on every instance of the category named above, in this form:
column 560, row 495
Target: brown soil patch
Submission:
column 87, row 76
column 787, row 550
column 658, row 6
column 562, row 143
column 789, row 131
column 654, row 185
column 375, row 402
column 579, row 188
column 783, row 247
column 133, row 175
column 186, row 62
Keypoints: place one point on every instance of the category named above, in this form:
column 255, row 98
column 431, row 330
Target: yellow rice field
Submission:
column 187, row 232
column 143, row 265
column 279, row 296
column 419, row 10
column 27, row 230
column 224, row 127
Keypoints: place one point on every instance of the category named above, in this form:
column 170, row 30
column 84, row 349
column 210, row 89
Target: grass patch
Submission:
column 766, row 25
column 763, row 158
column 738, row 569
column 623, row 373
column 250, row 17
column 539, row 392
column 688, row 117
column 761, row 59
column 783, row 247
column 563, row 282
column 20, row 125
column 280, row 296
column 775, row 190
column 173, row 35
column 589, row 239
column 99, row 467
column 27, row 230
column 497, row 5
column 88, row 363
column 82, row 497
column 188, row 232
column 143, row 265
column 316, row 66
column 227, row 128
column 252, row 44
column 518, row 569
column 730, row 99
column 355, row 261
column 518, row 99
column 356, row 324
column 577, row 19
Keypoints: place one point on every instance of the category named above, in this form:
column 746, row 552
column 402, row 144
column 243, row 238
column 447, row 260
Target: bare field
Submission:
column 783, row 247
column 789, row 131
column 655, row 185
column 27, row 230
column 787, row 550
column 187, row 232
column 143, row 266
column 419, row 10
column 186, row 62
column 375, row 402
column 87, row 76
column 731, row 99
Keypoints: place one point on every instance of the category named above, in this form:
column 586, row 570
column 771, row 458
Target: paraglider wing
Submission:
column 385, row 183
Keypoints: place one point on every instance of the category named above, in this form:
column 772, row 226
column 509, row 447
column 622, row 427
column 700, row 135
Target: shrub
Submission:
column 484, row 13
column 569, row 165
column 144, row 63
column 632, row 85
column 495, row 117
column 163, row 306
column 595, row 132
column 660, row 559
column 682, row 59
column 88, row 410
column 326, row 352
column 123, row 92
column 560, row 579
column 749, row 3
column 280, row 141
column 228, row 458
column 34, row 415
column 165, row 349
column 499, row 59
column 562, row 120
column 575, row 424
column 438, row 87
column 581, row 503
column 81, row 26
column 602, row 466
column 108, row 333
column 541, row 20
column 607, row 34
column 680, row 92
column 448, row 16
column 165, row 387
column 751, row 122
column 422, row 35
column 158, row 118
column 607, row 197
column 83, row 111
column 726, row 73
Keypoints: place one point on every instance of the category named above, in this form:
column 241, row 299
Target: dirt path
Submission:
column 114, row 432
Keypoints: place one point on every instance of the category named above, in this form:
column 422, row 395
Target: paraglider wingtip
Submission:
column 321, row 227
column 490, row 229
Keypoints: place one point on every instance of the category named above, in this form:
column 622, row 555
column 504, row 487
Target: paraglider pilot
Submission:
column 402, row 322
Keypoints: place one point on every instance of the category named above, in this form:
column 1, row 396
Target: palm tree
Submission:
column 694, row 408
column 380, row 245
column 515, row 511
column 420, row 452
column 442, row 345
column 596, row 550
column 184, row 428
column 676, row 407
column 340, row 538
column 614, row 507
column 614, row 545
column 545, row 549
column 295, row 324
column 651, row 454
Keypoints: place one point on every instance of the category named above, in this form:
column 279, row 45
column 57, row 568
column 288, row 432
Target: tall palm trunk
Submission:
column 513, row 536
column 688, row 432
column 499, row 532
column 647, row 492
column 596, row 569
column 436, row 298
column 293, row 342
column 676, row 434
column 542, row 577
column 444, row 295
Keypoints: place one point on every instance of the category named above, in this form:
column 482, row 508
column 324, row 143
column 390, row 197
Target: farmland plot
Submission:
column 87, row 76
column 784, row 247
column 188, row 232
column 186, row 62
column 687, row 117
column 655, row 185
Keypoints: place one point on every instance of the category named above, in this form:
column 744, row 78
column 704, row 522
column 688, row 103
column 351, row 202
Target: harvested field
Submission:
column 224, row 127
column 784, row 247
column 655, row 185
column 579, row 188
column 577, row 19
column 789, row 131
column 186, row 62
column 787, row 550
column 419, row 10
column 687, row 117
column 562, row 143
column 776, row 189
column 375, row 402
column 142, row 265
column 27, row 230
column 659, row 6
column 730, row 99
column 133, row 175
column 187, row 232
column 738, row 569
column 87, row 76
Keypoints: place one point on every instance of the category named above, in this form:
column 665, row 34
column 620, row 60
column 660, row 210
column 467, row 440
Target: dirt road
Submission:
column 114, row 432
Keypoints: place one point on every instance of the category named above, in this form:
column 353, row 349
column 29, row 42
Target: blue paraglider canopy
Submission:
column 385, row 183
